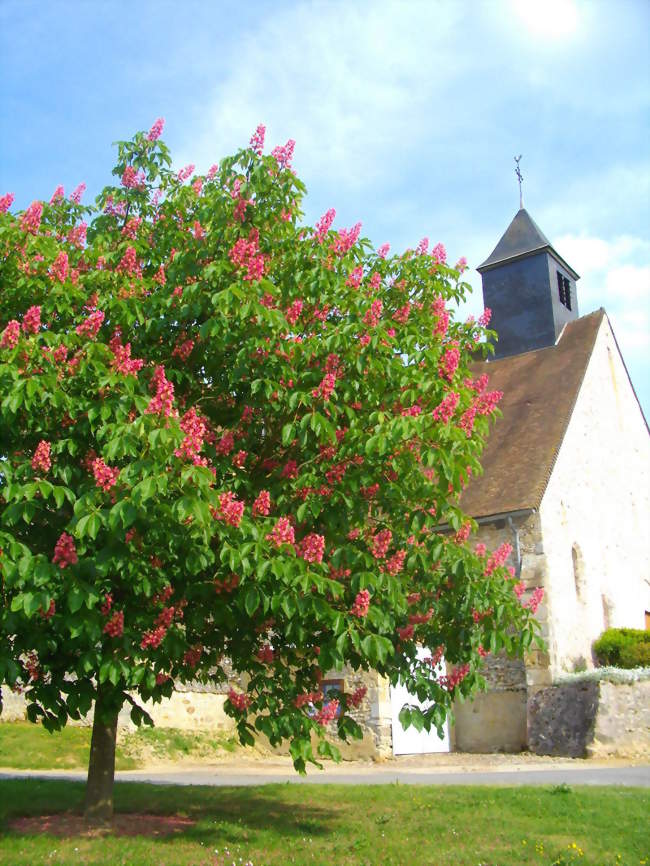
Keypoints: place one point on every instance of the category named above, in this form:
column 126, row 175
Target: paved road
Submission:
column 619, row 775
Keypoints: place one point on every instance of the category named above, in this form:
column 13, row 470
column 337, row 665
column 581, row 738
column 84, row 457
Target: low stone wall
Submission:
column 589, row 718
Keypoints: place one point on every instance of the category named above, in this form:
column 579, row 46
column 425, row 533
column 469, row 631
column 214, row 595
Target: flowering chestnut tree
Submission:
column 226, row 436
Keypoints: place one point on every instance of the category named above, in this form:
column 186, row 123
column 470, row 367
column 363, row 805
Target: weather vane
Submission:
column 520, row 179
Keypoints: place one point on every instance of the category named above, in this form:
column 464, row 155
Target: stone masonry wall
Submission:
column 589, row 718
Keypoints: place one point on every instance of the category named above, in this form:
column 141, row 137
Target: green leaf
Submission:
column 75, row 599
column 251, row 600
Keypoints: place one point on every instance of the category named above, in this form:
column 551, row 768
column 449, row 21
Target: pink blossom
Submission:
column 328, row 713
column 284, row 154
column 422, row 247
column 293, row 313
column 163, row 401
column 535, row 600
column 401, row 315
column 484, row 318
column 312, row 547
column 10, row 335
column 380, row 543
column 130, row 230
column 444, row 411
column 265, row 654
column 461, row 265
column 439, row 254
column 480, row 549
column 59, row 269
column 57, row 195
column 498, row 557
column 132, row 179
column 32, row 320
column 91, row 325
column 64, row 551
column 345, row 240
column 122, row 361
column 262, row 505
column 6, row 201
column 194, row 428
column 282, row 533
column 156, row 130
column 257, row 139
column 77, row 193
column 129, row 263
column 77, row 235
column 396, row 562
column 357, row 696
column 240, row 701
column 326, row 387
column 355, row 277
column 382, row 252
column 231, row 510
column 115, row 625
column 186, row 172
column 361, row 604
column 449, row 362
column 30, row 221
column 105, row 476
column 41, row 461
column 212, row 171
column 372, row 317
column 323, row 225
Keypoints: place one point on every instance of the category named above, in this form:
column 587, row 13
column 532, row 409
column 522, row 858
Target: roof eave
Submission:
column 490, row 265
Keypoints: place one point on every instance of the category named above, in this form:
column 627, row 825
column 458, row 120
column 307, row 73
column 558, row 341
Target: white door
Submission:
column 410, row 741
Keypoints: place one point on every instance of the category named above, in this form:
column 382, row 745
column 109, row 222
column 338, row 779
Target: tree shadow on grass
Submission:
column 232, row 815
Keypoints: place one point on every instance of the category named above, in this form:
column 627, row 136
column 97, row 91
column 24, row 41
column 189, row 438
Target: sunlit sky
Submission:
column 406, row 116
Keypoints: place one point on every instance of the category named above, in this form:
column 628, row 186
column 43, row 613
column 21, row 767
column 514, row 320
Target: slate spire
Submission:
column 529, row 287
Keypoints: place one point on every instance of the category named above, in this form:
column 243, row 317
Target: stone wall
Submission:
column 590, row 719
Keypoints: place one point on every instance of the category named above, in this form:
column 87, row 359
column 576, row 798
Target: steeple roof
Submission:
column 522, row 238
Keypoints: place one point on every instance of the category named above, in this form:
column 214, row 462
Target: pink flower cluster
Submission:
column 239, row 700
column 328, row 713
column 380, row 543
column 246, row 254
column 282, row 532
column 262, row 505
column 284, row 154
column 354, row 699
column 293, row 313
column 10, row 335
column 396, row 562
column 162, row 403
column 257, row 139
column 326, row 388
column 91, row 325
column 132, row 179
column 361, row 604
column 355, row 277
column 449, row 362
column 372, row 317
column 401, row 315
column 77, row 235
column 59, row 268
column 130, row 230
column 129, row 263
column 230, row 509
column 41, row 461
column 122, row 361
column 156, row 130
column 77, row 193
column 32, row 320
column 498, row 557
column 265, row 654
column 30, row 221
column 312, row 547
column 323, row 225
column 6, row 201
column 345, row 240
column 454, row 677
column 115, row 626
column 461, row 265
column 382, row 252
column 445, row 410
column 64, row 551
column 105, row 476
column 484, row 318
column 439, row 254
column 194, row 428
column 153, row 638
column 535, row 600
column 184, row 173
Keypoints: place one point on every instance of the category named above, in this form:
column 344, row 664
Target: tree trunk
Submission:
column 98, row 809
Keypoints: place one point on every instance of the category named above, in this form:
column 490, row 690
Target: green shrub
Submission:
column 623, row 648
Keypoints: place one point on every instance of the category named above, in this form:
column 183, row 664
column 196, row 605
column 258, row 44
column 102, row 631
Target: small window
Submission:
column 564, row 290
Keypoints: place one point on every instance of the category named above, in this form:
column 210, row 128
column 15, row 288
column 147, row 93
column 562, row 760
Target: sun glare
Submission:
column 553, row 19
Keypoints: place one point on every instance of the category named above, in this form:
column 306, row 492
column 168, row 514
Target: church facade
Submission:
column 566, row 482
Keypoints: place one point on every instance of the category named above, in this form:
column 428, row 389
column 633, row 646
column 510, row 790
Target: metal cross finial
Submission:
column 520, row 179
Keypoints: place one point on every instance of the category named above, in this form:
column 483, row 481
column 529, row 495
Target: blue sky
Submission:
column 406, row 116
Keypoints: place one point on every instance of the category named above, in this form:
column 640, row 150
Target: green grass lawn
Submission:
column 340, row 825
column 30, row 747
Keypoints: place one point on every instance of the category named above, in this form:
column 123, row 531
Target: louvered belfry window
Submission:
column 564, row 290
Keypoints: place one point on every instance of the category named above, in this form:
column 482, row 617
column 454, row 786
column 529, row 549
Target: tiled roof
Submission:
column 540, row 389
